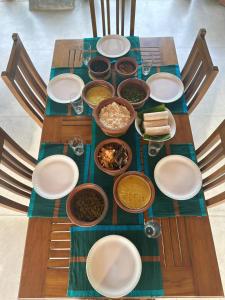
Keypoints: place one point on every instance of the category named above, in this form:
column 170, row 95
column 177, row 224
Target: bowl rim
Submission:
column 99, row 58
column 148, row 181
column 129, row 81
column 118, row 100
column 116, row 141
column 132, row 60
column 70, row 198
column 96, row 82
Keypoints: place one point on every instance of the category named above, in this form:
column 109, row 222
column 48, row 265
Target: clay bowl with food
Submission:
column 134, row 90
column 114, row 116
column 126, row 67
column 113, row 156
column 87, row 205
column 97, row 90
column 99, row 67
column 133, row 192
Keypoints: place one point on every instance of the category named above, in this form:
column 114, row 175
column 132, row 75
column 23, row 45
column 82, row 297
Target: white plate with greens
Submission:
column 113, row 45
column 162, row 138
column 165, row 87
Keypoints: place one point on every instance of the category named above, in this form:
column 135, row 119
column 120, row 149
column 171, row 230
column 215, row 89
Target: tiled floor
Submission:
column 38, row 30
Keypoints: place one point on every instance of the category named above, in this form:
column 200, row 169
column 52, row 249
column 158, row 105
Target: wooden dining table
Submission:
column 187, row 253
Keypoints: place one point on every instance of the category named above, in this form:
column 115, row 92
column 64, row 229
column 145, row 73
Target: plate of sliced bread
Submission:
column 156, row 124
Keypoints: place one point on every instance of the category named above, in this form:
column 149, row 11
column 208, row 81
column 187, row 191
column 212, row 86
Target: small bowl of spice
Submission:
column 87, row 205
column 133, row 192
column 97, row 90
column 134, row 90
column 126, row 67
column 99, row 68
column 113, row 156
column 114, row 116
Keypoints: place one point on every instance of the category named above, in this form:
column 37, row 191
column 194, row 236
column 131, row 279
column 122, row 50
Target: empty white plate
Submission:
column 65, row 88
column 165, row 87
column 113, row 45
column 178, row 177
column 55, row 176
column 171, row 122
column 113, row 266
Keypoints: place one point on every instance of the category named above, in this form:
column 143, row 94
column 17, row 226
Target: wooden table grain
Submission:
column 187, row 252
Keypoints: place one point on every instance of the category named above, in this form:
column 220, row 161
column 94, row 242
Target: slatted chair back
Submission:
column 25, row 83
column 211, row 160
column 16, row 165
column 198, row 72
column 106, row 16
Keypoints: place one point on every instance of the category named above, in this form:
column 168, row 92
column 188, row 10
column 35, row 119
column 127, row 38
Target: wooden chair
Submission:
column 25, row 83
column 120, row 14
column 18, row 162
column 198, row 72
column 209, row 154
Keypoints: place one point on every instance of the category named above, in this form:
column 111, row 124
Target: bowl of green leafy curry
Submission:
column 136, row 91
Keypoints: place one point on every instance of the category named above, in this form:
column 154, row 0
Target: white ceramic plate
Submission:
column 165, row 87
column 113, row 266
column 171, row 121
column 113, row 45
column 65, row 88
column 55, row 176
column 178, row 177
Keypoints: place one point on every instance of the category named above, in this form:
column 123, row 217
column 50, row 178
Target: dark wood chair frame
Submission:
column 24, row 82
column 198, row 72
column 120, row 16
column 209, row 154
column 19, row 162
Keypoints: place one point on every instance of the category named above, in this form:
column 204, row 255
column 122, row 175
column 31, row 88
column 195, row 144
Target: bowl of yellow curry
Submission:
column 133, row 192
column 96, row 91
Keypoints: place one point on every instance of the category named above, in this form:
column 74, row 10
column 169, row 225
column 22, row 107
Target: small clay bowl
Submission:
column 99, row 75
column 141, row 84
column 109, row 131
column 110, row 171
column 148, row 181
column 72, row 197
column 122, row 60
column 94, row 83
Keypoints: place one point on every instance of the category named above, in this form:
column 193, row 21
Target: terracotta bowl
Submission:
column 99, row 75
column 114, row 132
column 94, row 83
column 109, row 171
column 148, row 181
column 140, row 84
column 72, row 197
column 132, row 61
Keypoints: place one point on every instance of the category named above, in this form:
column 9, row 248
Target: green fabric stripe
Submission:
column 82, row 239
column 41, row 207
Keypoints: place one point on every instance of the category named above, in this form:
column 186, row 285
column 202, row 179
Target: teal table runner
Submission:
column 82, row 239
column 41, row 207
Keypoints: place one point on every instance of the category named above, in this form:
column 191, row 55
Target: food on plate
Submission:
column 114, row 116
column 155, row 123
column 126, row 67
column 113, row 156
column 87, row 205
column 161, row 115
column 133, row 191
column 98, row 93
column 133, row 93
column 157, row 130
